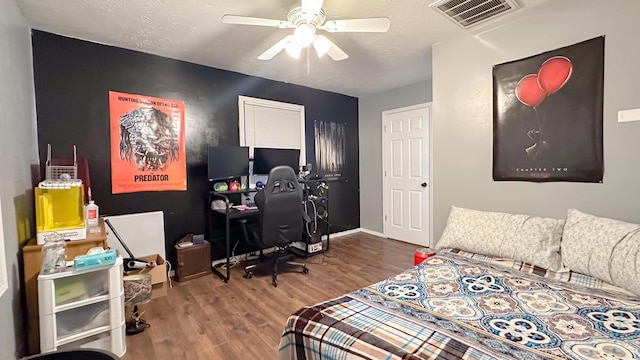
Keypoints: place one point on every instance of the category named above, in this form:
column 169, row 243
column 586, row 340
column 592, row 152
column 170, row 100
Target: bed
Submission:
column 464, row 305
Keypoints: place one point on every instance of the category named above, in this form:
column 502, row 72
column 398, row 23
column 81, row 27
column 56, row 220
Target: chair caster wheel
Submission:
column 305, row 271
column 248, row 275
column 275, row 284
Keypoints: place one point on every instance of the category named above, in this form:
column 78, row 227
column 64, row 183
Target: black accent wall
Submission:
column 72, row 81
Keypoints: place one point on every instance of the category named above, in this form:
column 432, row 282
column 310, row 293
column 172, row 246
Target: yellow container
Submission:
column 59, row 205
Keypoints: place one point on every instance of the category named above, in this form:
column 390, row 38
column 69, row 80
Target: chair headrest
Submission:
column 281, row 179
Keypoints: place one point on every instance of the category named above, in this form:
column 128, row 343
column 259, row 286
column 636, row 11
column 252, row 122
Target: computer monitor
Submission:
column 265, row 159
column 226, row 162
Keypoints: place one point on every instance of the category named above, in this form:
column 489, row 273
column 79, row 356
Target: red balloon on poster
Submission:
column 554, row 73
column 529, row 92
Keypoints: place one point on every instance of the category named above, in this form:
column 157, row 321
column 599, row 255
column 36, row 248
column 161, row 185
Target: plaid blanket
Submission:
column 456, row 307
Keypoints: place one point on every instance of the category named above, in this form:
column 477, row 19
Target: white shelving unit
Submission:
column 83, row 309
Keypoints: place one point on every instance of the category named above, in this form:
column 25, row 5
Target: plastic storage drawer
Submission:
column 112, row 340
column 83, row 321
column 82, row 309
column 77, row 288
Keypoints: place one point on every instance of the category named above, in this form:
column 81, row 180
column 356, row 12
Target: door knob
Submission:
column 423, row 185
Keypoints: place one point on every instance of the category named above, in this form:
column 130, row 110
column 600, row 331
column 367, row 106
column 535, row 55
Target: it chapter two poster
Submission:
column 547, row 115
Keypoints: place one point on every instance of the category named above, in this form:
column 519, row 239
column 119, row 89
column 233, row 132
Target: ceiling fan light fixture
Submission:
column 293, row 49
column 304, row 34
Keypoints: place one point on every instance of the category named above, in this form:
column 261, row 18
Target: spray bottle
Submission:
column 91, row 215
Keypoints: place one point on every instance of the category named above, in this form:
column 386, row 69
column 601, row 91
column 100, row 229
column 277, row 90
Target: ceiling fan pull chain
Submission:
column 308, row 63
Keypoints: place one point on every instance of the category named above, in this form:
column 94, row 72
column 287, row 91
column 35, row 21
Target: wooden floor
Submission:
column 205, row 318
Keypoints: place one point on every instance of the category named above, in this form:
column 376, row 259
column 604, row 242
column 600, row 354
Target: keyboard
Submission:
column 244, row 207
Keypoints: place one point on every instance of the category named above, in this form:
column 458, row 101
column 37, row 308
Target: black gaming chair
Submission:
column 281, row 215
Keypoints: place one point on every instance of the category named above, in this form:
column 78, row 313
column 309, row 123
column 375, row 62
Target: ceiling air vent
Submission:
column 467, row 13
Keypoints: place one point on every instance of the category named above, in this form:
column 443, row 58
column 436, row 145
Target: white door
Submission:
column 406, row 154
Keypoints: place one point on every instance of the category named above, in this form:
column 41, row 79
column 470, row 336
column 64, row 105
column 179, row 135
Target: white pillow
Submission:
column 603, row 248
column 534, row 240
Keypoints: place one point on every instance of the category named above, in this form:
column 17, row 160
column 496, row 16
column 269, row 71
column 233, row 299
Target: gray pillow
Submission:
column 603, row 248
column 531, row 239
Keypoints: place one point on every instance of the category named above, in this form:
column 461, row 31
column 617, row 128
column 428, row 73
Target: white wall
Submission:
column 370, row 110
column 18, row 151
column 462, row 113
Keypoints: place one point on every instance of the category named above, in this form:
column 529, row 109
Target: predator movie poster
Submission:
column 147, row 144
column 547, row 115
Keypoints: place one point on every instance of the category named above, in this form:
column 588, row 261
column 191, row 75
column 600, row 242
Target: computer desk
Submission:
column 230, row 213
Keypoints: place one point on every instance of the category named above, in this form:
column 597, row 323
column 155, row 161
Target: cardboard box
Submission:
column 158, row 275
column 158, row 290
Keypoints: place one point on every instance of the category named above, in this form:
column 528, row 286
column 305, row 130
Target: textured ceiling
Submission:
column 191, row 30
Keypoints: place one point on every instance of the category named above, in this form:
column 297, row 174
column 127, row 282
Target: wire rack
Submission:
column 61, row 172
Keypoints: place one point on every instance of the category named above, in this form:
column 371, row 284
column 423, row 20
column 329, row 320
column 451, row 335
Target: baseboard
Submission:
column 342, row 233
column 371, row 232
column 267, row 251
column 239, row 257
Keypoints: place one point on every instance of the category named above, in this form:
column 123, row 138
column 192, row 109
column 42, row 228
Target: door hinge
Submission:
column 385, row 218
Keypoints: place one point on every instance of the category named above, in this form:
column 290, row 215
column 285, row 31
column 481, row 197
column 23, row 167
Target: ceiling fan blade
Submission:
column 311, row 7
column 336, row 53
column 246, row 20
column 357, row 25
column 323, row 45
column 276, row 48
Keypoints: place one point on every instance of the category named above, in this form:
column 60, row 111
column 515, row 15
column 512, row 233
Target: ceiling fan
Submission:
column 306, row 20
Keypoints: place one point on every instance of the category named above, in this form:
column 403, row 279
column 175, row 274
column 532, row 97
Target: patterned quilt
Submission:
column 455, row 307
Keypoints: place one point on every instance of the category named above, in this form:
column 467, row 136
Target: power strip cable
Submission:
column 315, row 217
column 233, row 262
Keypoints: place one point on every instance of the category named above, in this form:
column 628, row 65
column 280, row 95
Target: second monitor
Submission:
column 264, row 159
column 225, row 162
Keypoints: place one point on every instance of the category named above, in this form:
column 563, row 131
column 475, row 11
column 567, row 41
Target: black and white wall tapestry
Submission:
column 547, row 115
column 330, row 148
